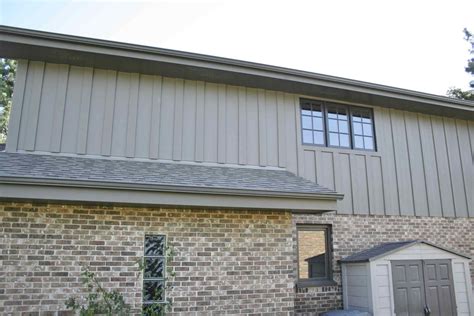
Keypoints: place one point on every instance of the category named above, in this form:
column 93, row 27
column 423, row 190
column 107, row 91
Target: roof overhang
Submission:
column 87, row 193
column 65, row 49
column 129, row 181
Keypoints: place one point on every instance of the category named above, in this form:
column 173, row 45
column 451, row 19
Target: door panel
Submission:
column 439, row 287
column 418, row 284
column 408, row 287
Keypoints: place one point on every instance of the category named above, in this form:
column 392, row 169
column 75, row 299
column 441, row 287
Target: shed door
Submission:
column 439, row 287
column 423, row 288
column 409, row 290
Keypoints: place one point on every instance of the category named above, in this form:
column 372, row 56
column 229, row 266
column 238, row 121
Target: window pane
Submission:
column 342, row 116
column 306, row 109
column 332, row 125
column 154, row 245
column 366, row 120
column 307, row 137
column 317, row 111
column 356, row 118
column 369, row 143
column 153, row 309
column 306, row 121
column 319, row 138
column 154, row 267
column 333, row 139
column 344, row 139
column 318, row 123
column 153, row 291
column 358, row 142
column 357, row 128
column 343, row 128
column 367, row 129
column 312, row 254
column 332, row 113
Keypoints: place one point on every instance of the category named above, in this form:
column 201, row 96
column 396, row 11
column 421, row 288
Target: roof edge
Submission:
column 10, row 34
column 116, row 185
column 409, row 243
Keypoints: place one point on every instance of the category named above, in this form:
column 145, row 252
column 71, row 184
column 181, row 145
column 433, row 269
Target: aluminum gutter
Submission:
column 38, row 181
column 51, row 47
column 140, row 196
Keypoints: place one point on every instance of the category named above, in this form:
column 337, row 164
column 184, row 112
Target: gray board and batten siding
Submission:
column 423, row 165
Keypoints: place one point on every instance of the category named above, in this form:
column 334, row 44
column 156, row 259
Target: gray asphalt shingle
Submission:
column 55, row 167
column 386, row 248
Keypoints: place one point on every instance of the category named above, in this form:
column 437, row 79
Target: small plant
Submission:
column 98, row 300
column 159, row 308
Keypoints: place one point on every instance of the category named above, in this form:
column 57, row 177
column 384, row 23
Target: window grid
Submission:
column 154, row 269
column 337, row 125
column 312, row 121
column 362, row 126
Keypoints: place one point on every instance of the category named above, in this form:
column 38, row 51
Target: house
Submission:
column 261, row 178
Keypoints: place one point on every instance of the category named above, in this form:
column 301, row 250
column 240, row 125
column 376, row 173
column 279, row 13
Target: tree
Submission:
column 459, row 93
column 8, row 70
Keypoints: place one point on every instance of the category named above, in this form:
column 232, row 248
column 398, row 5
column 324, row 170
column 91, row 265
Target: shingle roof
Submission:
column 386, row 248
column 21, row 166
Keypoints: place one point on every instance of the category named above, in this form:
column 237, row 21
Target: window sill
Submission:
column 315, row 283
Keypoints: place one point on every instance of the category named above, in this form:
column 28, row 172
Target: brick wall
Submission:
column 226, row 262
column 353, row 233
column 234, row 262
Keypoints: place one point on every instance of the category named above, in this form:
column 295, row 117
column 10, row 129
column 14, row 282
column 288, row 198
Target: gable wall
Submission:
column 423, row 165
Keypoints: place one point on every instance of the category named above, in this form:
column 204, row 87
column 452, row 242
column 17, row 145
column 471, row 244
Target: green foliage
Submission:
column 160, row 309
column 457, row 93
column 8, row 70
column 470, row 63
column 98, row 299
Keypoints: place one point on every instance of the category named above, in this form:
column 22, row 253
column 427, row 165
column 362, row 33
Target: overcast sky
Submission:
column 414, row 44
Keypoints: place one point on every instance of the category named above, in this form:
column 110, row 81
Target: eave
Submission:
column 80, row 51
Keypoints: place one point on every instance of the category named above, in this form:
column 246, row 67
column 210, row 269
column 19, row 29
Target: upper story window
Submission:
column 337, row 125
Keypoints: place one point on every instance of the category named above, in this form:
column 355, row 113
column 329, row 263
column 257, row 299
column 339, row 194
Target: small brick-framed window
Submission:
column 314, row 255
column 331, row 124
column 154, row 264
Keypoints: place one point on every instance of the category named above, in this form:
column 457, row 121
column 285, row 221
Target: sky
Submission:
column 415, row 44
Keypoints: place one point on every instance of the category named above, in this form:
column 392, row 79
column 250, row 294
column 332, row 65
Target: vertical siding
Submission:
column 144, row 117
column 423, row 164
column 189, row 120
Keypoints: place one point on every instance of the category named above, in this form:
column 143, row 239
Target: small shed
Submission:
column 408, row 278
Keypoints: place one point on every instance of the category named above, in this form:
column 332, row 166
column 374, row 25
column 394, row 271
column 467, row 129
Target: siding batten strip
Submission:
column 58, row 108
column 33, row 104
column 84, row 113
column 111, row 91
column 221, row 123
column 262, row 128
column 132, row 115
column 281, row 130
column 200, row 112
column 155, row 117
column 242, row 103
column 17, row 106
column 467, row 164
column 178, row 120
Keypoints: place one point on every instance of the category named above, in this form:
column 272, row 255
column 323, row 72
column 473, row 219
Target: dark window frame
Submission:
column 321, row 281
column 161, row 279
column 350, row 109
